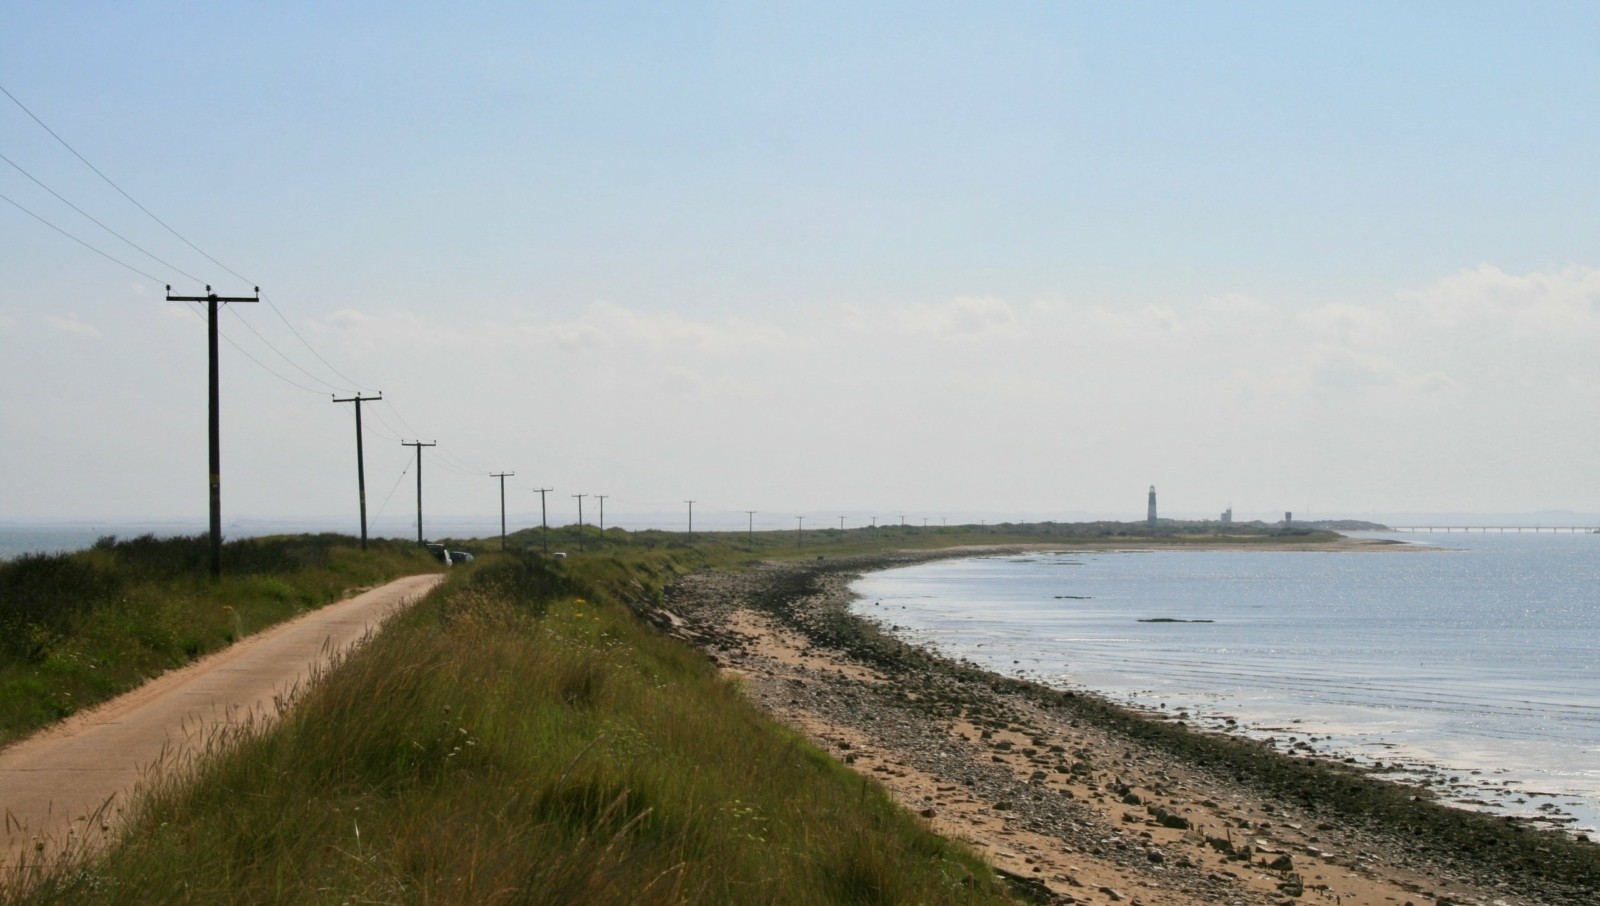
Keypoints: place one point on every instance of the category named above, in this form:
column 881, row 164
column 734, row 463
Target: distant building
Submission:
column 1227, row 516
column 1288, row 517
column 1150, row 513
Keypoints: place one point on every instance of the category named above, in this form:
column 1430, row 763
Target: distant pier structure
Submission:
column 1150, row 512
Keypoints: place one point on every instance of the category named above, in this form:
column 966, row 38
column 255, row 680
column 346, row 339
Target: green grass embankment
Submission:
column 520, row 736
column 725, row 548
column 77, row 629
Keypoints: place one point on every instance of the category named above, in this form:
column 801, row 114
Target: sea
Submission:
column 1469, row 664
column 18, row 539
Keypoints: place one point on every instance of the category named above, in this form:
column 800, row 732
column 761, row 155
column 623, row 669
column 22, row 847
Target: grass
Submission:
column 77, row 629
column 519, row 736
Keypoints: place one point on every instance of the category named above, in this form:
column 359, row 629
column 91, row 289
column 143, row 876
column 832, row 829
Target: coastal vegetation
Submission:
column 527, row 733
column 521, row 735
column 77, row 629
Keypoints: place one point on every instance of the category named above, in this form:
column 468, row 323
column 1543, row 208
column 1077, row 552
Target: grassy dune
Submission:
column 77, row 629
column 520, row 736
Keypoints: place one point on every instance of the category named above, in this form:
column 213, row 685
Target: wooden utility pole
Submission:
column 691, row 520
column 502, row 476
column 419, row 445
column 752, row 527
column 212, row 300
column 580, row 520
column 544, row 523
column 361, row 463
column 800, row 533
column 602, row 515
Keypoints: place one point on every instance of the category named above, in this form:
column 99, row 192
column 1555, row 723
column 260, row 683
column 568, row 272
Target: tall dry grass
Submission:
column 519, row 737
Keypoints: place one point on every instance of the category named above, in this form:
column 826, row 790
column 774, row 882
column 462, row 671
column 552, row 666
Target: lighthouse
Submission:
column 1150, row 514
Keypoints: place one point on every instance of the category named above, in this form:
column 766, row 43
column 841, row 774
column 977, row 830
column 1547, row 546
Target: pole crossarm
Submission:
column 419, row 445
column 544, row 524
column 502, row 476
column 212, row 300
column 361, row 462
column 580, row 520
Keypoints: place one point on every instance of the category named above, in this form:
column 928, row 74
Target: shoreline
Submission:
column 1545, row 789
column 1086, row 801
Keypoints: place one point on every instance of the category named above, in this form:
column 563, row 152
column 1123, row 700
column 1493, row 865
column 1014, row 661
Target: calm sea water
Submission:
column 1480, row 660
column 17, row 539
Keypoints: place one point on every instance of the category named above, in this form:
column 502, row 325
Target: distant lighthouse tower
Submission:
column 1150, row 514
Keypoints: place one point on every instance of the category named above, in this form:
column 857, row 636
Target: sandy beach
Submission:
column 1071, row 796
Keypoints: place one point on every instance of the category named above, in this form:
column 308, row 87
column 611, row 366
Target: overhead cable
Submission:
column 106, row 255
column 119, row 189
column 131, row 244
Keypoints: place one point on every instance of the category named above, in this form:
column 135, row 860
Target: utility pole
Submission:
column 752, row 527
column 602, row 515
column 800, row 533
column 419, row 445
column 691, row 520
column 580, row 520
column 544, row 524
column 361, row 464
column 874, row 528
column 502, row 476
column 212, row 300
column 841, row 523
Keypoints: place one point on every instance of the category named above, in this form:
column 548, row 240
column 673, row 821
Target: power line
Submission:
column 419, row 445
column 544, row 523
column 393, row 435
column 119, row 189
column 502, row 476
column 106, row 255
column 264, row 366
column 396, row 487
column 212, row 300
column 361, row 462
column 98, row 172
column 268, row 369
column 281, row 354
column 131, row 244
column 307, row 344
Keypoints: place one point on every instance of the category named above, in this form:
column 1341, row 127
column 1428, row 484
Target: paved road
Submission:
column 73, row 777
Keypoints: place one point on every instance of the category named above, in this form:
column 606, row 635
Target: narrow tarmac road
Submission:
column 55, row 783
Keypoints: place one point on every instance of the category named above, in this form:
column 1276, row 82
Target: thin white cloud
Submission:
column 963, row 317
column 74, row 325
column 1344, row 371
column 1348, row 324
column 601, row 325
column 1564, row 300
column 1236, row 304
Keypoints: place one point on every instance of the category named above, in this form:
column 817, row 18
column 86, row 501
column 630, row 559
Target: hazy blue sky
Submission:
column 867, row 258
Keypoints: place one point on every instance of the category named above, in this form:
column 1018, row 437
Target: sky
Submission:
column 1008, row 260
